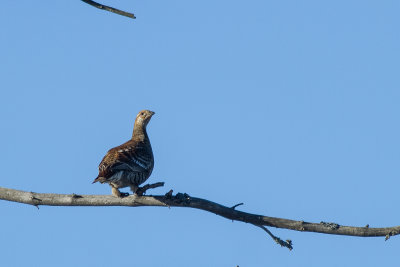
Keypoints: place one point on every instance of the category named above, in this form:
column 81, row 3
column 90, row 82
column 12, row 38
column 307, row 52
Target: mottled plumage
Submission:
column 131, row 163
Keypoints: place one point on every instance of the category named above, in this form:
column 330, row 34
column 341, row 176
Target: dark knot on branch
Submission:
column 330, row 225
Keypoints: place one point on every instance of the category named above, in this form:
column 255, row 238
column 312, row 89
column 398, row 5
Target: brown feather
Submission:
column 131, row 163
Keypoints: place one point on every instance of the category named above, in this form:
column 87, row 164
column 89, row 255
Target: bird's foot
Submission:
column 117, row 193
column 140, row 191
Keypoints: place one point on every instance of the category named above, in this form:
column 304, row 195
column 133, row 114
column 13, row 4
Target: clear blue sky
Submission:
column 291, row 107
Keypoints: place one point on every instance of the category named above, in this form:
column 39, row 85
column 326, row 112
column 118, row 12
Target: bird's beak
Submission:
column 152, row 113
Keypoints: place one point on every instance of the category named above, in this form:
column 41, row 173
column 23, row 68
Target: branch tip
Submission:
column 110, row 9
column 288, row 243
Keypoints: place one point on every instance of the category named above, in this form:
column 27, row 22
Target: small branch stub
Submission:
column 142, row 190
column 237, row 205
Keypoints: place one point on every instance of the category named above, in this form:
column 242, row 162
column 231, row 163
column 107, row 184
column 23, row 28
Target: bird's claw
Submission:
column 123, row 194
column 169, row 194
column 140, row 192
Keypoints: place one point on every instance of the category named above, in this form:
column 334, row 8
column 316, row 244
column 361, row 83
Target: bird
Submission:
column 131, row 163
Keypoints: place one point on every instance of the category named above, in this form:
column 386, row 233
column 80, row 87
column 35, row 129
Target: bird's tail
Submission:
column 99, row 179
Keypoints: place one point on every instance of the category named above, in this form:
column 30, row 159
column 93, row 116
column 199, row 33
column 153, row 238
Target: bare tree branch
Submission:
column 111, row 9
column 142, row 190
column 184, row 200
column 287, row 243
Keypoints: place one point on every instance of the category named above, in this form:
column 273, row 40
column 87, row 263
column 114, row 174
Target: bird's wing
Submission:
column 131, row 156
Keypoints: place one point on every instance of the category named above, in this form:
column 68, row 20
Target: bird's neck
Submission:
column 139, row 133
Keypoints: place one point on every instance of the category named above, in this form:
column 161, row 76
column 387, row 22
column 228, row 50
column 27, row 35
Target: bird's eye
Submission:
column 142, row 113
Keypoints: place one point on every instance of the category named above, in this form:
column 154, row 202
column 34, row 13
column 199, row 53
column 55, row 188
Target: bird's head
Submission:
column 143, row 118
